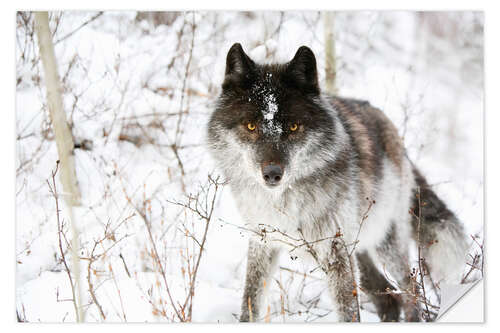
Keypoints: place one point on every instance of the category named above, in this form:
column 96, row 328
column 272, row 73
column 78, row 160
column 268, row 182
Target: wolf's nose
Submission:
column 272, row 174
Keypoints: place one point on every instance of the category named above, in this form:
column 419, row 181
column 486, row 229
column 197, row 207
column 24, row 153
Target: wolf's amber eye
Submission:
column 294, row 127
column 251, row 126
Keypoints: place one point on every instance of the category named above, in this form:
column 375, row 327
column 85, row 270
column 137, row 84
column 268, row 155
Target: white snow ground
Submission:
column 125, row 84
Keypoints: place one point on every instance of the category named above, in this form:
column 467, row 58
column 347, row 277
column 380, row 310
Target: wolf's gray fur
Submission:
column 304, row 166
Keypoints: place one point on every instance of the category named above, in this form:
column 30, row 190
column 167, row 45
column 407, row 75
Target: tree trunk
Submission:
column 330, row 61
column 63, row 136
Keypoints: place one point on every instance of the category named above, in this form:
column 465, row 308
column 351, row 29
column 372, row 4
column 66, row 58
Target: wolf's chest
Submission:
column 284, row 220
column 261, row 210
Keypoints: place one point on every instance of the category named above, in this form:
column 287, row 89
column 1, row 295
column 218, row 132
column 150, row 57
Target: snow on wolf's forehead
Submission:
column 265, row 93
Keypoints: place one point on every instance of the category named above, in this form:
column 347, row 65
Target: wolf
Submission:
column 327, row 177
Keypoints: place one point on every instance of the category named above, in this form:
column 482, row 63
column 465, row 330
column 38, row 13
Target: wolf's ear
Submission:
column 239, row 66
column 302, row 70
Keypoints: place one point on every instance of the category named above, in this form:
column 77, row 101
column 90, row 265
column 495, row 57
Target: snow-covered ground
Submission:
column 136, row 88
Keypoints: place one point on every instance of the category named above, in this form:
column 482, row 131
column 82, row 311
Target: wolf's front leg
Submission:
column 260, row 266
column 341, row 273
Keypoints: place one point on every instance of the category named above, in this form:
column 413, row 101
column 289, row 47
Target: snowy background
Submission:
column 138, row 91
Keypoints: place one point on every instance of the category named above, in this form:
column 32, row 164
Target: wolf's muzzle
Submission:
column 272, row 173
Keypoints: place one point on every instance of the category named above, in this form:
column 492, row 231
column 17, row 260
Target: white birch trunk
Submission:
column 330, row 61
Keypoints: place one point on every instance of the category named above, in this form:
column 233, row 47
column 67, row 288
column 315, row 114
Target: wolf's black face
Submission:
column 268, row 117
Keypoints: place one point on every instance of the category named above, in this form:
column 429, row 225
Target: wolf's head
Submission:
column 270, row 126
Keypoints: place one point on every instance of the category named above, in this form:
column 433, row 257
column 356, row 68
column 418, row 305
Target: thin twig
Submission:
column 53, row 191
column 91, row 286
column 93, row 18
column 419, row 249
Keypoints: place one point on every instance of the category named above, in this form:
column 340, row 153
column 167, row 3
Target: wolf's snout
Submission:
column 272, row 173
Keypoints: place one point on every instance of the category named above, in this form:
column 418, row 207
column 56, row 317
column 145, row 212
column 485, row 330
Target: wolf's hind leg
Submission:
column 377, row 287
column 393, row 254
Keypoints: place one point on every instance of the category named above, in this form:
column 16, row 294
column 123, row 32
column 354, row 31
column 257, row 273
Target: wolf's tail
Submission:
column 443, row 241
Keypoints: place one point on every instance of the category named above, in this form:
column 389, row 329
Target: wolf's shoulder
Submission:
column 370, row 125
column 352, row 105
